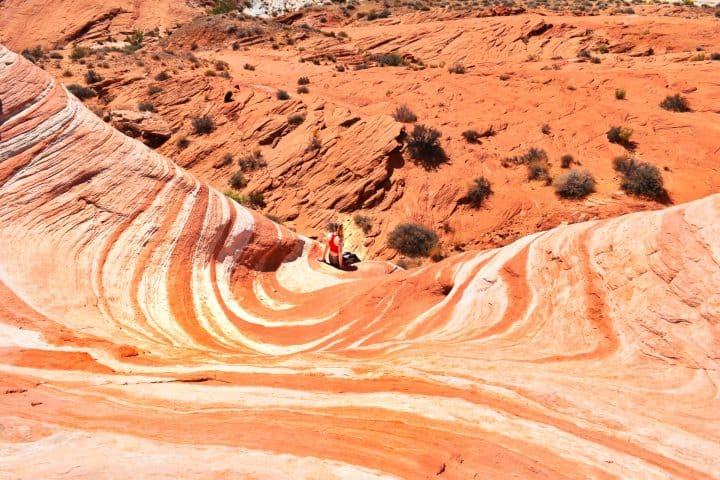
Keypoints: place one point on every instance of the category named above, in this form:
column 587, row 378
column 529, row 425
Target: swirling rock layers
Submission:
column 149, row 326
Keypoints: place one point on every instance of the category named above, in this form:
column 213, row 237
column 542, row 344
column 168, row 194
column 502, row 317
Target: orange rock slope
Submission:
column 149, row 327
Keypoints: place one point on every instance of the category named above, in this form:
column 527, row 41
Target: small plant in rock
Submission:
column 675, row 103
column 83, row 93
column 91, row 76
column 532, row 155
column 575, row 184
column 545, row 129
column 423, row 144
column 620, row 135
column 282, row 95
column 619, row 94
column 146, row 107
column 135, row 40
column 154, row 89
column 182, row 143
column 457, row 68
column 237, row 180
column 623, row 164
column 403, row 114
column 715, row 56
column 364, row 222
column 296, row 119
column 471, row 136
column 302, row 89
column 644, row 180
column 340, row 68
column 566, row 161
column 388, row 59
column 249, row 67
column 226, row 160
column 162, row 76
column 79, row 52
column 539, row 170
column 412, row 240
column 203, row 125
column 479, row 191
column 313, row 145
column 252, row 161
column 303, row 81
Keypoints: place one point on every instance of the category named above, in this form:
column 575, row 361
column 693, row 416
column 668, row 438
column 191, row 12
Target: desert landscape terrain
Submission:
column 532, row 188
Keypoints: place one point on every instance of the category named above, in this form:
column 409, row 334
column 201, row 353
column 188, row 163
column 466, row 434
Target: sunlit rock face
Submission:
column 151, row 327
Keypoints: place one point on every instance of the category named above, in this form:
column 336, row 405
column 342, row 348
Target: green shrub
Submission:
column 479, row 191
column 575, row 184
column 675, row 103
column 203, row 125
column 620, row 135
column 303, row 81
column 620, row 94
column 566, row 160
column 303, row 89
column 403, row 114
column 223, row 6
column 256, row 199
column 154, row 89
column 182, row 143
column 282, row 95
column 545, row 129
column 644, row 180
column 135, row 40
column 364, row 222
column 715, row 56
column 471, row 136
column 423, row 146
column 162, row 76
column 698, row 57
column 623, row 164
column 83, row 93
column 146, row 107
column 237, row 180
column 412, row 240
column 539, row 170
column 532, row 155
column 247, row 66
column 91, row 76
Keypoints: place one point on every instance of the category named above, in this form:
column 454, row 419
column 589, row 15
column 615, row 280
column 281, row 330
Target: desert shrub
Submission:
column 623, row 164
column 471, row 136
column 249, row 67
column 182, row 143
column 282, row 95
column 424, row 146
column 203, row 125
column 83, row 93
column 566, row 160
column 135, row 40
column 313, row 145
column 146, row 107
column 698, row 57
column 220, row 65
column 644, row 180
column 457, row 68
column 237, row 180
column 210, row 73
column 162, row 76
column 340, row 68
column 717, row 13
column 479, row 191
column 363, row 221
column 154, row 89
column 595, row 60
column 388, row 59
column 303, row 89
column 78, row 52
column 256, row 199
column 545, row 129
column 620, row 135
column 620, row 94
column 715, row 56
column 575, row 184
column 226, row 160
column 303, row 81
column 34, row 54
column 412, row 240
column 539, row 170
column 603, row 48
column 361, row 66
column 241, row 199
column 56, row 55
column 504, row 77
column 91, row 76
column 252, row 161
column 532, row 155
column 584, row 54
column 675, row 103
column 296, row 119
column 404, row 114
column 374, row 15
column 67, row 74
column 223, row 6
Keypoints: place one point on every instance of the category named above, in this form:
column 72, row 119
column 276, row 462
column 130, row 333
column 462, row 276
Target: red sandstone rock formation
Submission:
column 150, row 327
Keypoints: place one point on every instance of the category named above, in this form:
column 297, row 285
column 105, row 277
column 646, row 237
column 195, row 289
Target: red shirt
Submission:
column 335, row 243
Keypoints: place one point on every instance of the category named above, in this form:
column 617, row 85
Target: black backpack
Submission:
column 349, row 258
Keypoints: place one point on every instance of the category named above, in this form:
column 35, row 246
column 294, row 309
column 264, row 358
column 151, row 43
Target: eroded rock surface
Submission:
column 149, row 327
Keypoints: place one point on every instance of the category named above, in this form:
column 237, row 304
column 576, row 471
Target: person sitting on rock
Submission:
column 334, row 247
